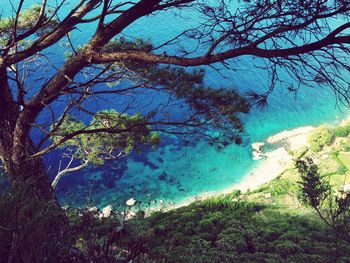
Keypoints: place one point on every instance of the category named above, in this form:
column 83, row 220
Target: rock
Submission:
column 107, row 211
column 132, row 214
column 257, row 146
column 129, row 215
column 131, row 202
column 256, row 156
column 93, row 209
column 257, row 151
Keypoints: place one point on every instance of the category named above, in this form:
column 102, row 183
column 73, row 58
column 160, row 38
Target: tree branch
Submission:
column 145, row 57
column 68, row 169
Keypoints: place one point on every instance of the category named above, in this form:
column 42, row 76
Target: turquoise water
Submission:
column 174, row 172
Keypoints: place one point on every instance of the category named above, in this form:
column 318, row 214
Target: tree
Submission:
column 332, row 209
column 290, row 35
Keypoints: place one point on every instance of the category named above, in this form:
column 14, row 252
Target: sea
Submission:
column 174, row 171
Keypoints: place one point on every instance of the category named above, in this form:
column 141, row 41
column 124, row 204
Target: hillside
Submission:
column 269, row 224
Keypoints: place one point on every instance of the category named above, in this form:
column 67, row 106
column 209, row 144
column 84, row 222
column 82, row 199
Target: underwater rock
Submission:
column 172, row 181
column 160, row 160
column 142, row 158
column 131, row 202
column 162, row 176
column 152, row 166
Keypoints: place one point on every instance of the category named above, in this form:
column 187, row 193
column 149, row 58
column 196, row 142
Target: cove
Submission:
column 176, row 171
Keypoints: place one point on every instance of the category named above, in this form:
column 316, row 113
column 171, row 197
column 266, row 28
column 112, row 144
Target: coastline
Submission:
column 275, row 163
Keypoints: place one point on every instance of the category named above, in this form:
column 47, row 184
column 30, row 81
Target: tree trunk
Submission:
column 29, row 182
column 28, row 178
column 33, row 173
column 18, row 168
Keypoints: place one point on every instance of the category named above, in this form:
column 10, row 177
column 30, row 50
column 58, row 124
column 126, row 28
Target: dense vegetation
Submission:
column 220, row 230
column 325, row 136
column 275, row 223
column 216, row 230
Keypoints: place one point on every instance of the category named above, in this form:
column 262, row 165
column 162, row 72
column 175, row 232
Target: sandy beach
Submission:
column 273, row 165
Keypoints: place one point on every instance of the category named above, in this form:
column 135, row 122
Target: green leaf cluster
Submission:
column 218, row 108
column 27, row 19
column 122, row 44
column 121, row 133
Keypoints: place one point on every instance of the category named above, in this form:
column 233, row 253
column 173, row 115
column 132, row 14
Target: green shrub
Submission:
column 240, row 246
column 342, row 170
column 342, row 131
column 287, row 247
column 346, row 148
column 321, row 137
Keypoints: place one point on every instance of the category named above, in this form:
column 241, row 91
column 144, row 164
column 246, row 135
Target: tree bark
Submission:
column 19, row 171
column 27, row 176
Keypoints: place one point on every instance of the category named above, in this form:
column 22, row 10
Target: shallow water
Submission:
column 174, row 172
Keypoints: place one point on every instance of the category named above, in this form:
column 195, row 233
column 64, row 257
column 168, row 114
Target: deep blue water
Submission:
column 174, row 172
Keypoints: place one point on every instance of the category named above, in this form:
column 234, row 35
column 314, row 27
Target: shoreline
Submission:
column 268, row 166
column 275, row 163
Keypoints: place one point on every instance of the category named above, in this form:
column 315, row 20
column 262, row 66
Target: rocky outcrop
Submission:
column 131, row 202
column 107, row 211
column 257, row 151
